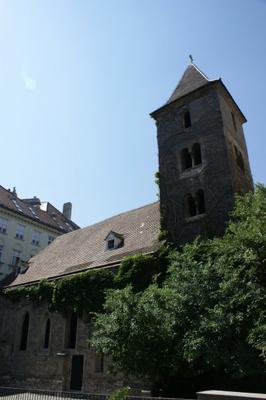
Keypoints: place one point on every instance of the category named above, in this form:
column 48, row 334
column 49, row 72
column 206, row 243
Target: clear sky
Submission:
column 79, row 78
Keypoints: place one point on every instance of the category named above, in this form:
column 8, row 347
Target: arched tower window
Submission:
column 186, row 160
column 186, row 119
column 196, row 154
column 190, row 206
column 47, row 334
column 71, row 331
column 24, row 332
column 200, row 202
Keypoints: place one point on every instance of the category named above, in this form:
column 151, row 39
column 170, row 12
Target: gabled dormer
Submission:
column 114, row 240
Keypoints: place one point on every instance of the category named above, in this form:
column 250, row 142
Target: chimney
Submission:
column 67, row 210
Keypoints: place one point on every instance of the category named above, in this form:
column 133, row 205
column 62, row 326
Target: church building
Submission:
column 203, row 162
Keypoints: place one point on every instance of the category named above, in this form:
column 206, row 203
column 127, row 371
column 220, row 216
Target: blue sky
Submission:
column 79, row 78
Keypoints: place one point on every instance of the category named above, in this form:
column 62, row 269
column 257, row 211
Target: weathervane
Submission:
column 191, row 58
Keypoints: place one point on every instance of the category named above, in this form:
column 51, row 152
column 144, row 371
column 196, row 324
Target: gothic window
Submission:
column 194, row 205
column 186, row 119
column 200, row 202
column 196, row 154
column 24, row 332
column 190, row 206
column 186, row 160
column 47, row 334
column 71, row 331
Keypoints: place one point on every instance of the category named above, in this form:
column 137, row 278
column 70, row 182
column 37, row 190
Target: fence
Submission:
column 10, row 393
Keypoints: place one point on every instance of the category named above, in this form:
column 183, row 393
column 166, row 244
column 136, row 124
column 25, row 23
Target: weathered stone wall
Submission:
column 50, row 368
column 234, row 138
column 217, row 175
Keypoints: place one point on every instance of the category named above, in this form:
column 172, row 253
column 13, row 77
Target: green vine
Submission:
column 77, row 293
column 86, row 291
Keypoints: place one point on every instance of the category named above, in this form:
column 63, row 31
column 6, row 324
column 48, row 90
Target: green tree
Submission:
column 208, row 317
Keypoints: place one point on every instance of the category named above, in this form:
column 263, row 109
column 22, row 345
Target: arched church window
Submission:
column 47, row 334
column 24, row 332
column 71, row 331
column 196, row 154
column 186, row 160
column 186, row 119
column 200, row 202
column 190, row 206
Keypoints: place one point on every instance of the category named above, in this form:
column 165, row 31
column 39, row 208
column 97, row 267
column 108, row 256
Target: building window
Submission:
column 47, row 334
column 200, row 202
column 111, row 244
column 15, row 257
column 3, row 225
column 1, row 251
column 36, row 236
column 194, row 205
column 186, row 159
column 24, row 332
column 234, row 121
column 20, row 231
column 196, row 154
column 191, row 158
column 71, row 331
column 190, row 206
column 186, row 119
column 99, row 362
column 50, row 239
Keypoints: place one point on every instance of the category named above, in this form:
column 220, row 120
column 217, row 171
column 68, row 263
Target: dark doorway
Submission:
column 76, row 372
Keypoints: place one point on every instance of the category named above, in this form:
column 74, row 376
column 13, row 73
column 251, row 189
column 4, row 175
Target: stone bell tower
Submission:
column 203, row 159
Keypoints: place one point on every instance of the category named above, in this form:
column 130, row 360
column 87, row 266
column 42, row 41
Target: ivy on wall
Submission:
column 86, row 291
column 80, row 292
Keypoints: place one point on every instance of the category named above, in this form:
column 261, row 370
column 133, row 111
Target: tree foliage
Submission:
column 208, row 315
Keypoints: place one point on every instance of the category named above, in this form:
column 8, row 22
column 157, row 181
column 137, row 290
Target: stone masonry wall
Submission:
column 213, row 176
column 50, row 368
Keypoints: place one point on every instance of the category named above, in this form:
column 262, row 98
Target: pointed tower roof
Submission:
column 192, row 79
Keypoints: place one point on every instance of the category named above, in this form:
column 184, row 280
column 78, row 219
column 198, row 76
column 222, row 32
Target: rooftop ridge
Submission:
column 200, row 71
column 119, row 215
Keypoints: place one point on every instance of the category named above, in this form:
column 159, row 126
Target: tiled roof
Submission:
column 52, row 217
column 192, row 79
column 86, row 248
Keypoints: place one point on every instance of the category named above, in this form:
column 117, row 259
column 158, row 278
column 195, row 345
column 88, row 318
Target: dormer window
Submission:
column 111, row 244
column 114, row 240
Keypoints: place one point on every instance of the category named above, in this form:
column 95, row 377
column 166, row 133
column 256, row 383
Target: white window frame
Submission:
column 20, row 231
column 15, row 257
column 3, row 225
column 50, row 239
column 36, row 238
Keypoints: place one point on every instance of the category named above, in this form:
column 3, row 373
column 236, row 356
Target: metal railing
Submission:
column 12, row 393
